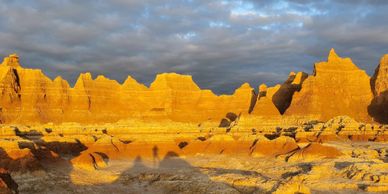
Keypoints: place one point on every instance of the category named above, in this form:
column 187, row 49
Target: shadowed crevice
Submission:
column 283, row 97
column 378, row 108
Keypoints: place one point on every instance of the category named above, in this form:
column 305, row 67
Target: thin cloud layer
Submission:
column 221, row 43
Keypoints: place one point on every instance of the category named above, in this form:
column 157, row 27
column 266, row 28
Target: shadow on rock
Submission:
column 7, row 184
column 44, row 159
column 283, row 97
column 378, row 109
column 172, row 175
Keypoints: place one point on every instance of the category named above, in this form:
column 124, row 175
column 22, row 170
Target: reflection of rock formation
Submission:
column 338, row 87
column 378, row 108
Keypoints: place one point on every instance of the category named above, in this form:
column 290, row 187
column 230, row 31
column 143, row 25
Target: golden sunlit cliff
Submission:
column 311, row 134
column 337, row 87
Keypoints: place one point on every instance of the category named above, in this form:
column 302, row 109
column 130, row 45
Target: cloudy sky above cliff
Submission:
column 221, row 43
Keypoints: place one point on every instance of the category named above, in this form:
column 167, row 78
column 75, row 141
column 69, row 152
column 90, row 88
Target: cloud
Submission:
column 221, row 43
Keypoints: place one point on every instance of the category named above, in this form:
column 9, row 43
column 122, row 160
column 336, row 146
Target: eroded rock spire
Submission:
column 12, row 60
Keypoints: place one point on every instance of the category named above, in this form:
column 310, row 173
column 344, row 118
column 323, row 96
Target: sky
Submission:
column 221, row 43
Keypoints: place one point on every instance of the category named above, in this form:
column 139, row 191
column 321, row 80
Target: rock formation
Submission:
column 379, row 80
column 314, row 151
column 339, row 155
column 7, row 184
column 10, row 103
column 378, row 108
column 12, row 61
column 337, row 87
column 102, row 136
column 283, row 96
column 264, row 105
column 28, row 96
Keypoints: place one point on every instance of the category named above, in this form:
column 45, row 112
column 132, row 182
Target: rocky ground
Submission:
column 338, row 156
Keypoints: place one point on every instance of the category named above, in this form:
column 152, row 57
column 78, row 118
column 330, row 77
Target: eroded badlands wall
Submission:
column 337, row 87
column 28, row 96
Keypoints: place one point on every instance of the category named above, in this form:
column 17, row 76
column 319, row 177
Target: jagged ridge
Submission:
column 337, row 87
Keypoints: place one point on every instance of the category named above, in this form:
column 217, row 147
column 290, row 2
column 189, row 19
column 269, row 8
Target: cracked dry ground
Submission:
column 312, row 158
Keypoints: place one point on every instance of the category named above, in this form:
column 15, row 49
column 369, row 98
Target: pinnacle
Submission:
column 245, row 85
column 332, row 55
column 12, row 60
column 262, row 88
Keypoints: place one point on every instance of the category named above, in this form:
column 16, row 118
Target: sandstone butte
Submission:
column 337, row 87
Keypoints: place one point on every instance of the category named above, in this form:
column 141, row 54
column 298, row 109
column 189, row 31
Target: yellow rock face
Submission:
column 173, row 137
column 380, row 78
column 28, row 96
column 10, row 93
column 337, row 87
column 11, row 61
column 378, row 108
column 264, row 105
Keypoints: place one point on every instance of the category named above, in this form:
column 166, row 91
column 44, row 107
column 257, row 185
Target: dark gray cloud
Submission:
column 221, row 43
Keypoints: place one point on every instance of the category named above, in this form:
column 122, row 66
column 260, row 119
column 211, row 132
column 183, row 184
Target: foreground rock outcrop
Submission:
column 141, row 156
column 7, row 184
